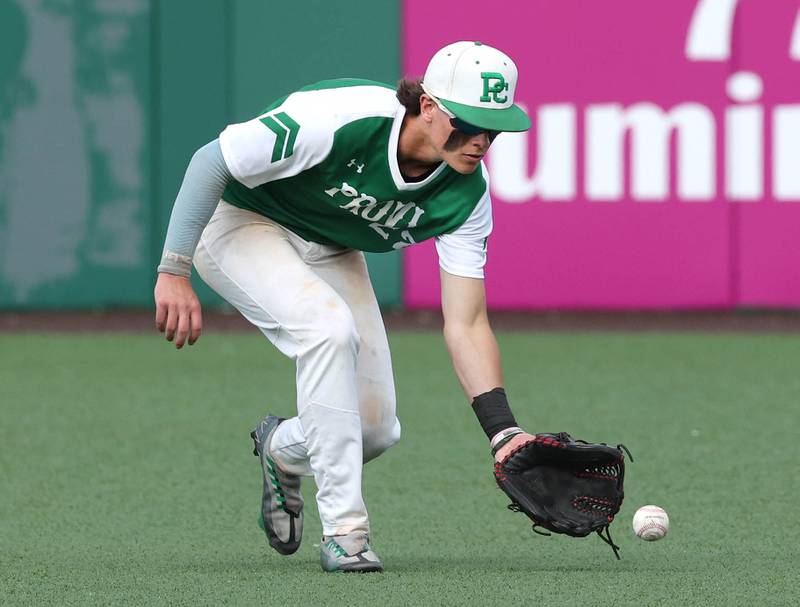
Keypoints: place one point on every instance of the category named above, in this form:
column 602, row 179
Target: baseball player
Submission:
column 275, row 214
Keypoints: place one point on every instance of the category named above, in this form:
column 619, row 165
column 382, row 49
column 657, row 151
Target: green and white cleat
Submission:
column 281, row 502
column 350, row 552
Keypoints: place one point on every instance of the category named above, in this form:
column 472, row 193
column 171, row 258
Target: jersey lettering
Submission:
column 382, row 210
column 406, row 242
column 398, row 214
column 385, row 217
column 377, row 227
column 354, row 206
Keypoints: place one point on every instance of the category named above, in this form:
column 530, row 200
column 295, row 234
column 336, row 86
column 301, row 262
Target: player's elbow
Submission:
column 456, row 333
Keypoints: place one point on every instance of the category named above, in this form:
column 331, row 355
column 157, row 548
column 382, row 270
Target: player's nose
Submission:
column 481, row 141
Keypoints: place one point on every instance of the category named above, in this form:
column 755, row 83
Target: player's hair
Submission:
column 408, row 92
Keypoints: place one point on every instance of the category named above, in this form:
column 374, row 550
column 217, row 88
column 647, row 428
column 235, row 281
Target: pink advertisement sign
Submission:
column 663, row 167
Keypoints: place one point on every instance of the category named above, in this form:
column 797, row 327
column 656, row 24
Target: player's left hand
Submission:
column 516, row 441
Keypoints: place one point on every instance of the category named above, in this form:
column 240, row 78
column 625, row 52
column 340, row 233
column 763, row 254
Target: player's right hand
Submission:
column 178, row 313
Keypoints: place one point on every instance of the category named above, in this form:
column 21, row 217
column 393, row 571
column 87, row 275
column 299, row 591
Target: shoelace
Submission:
column 622, row 447
column 607, row 539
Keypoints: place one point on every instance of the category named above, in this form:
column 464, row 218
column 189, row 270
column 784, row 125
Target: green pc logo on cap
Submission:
column 491, row 92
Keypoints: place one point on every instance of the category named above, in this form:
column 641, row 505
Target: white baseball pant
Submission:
column 316, row 304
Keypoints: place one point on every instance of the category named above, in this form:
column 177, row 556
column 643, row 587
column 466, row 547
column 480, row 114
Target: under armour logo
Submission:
column 352, row 163
column 711, row 30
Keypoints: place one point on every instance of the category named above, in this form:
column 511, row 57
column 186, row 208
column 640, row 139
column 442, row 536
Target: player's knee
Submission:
column 379, row 439
column 337, row 330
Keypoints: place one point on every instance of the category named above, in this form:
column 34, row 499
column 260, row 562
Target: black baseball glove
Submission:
column 565, row 485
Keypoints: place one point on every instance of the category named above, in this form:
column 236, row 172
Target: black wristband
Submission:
column 493, row 412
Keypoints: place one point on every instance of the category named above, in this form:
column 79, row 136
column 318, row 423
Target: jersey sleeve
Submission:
column 463, row 251
column 280, row 143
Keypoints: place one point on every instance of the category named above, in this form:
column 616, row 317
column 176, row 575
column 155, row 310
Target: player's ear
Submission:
column 426, row 108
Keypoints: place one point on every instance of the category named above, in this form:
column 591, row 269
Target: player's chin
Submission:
column 465, row 163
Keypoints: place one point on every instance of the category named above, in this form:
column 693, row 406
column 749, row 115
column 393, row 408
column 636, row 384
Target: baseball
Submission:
column 650, row 523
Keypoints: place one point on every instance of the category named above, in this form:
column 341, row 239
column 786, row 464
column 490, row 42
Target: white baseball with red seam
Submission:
column 650, row 523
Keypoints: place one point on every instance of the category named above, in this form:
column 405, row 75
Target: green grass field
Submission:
column 127, row 474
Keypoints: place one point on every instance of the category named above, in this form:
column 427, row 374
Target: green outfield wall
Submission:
column 103, row 103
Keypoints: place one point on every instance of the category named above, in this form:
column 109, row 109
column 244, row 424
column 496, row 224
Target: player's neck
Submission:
column 415, row 155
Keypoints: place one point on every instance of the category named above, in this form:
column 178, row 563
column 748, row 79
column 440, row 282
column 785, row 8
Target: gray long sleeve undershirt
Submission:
column 202, row 187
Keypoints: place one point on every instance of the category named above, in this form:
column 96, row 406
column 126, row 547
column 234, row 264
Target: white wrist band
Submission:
column 508, row 432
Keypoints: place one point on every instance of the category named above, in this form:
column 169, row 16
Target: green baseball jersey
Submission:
column 322, row 162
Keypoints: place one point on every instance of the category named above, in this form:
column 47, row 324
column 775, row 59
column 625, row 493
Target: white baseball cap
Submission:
column 476, row 83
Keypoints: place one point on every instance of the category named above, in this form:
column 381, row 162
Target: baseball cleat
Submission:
column 281, row 502
column 350, row 552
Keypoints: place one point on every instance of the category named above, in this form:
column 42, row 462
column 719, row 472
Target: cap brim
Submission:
column 512, row 118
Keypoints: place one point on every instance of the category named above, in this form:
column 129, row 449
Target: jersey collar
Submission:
column 394, row 140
